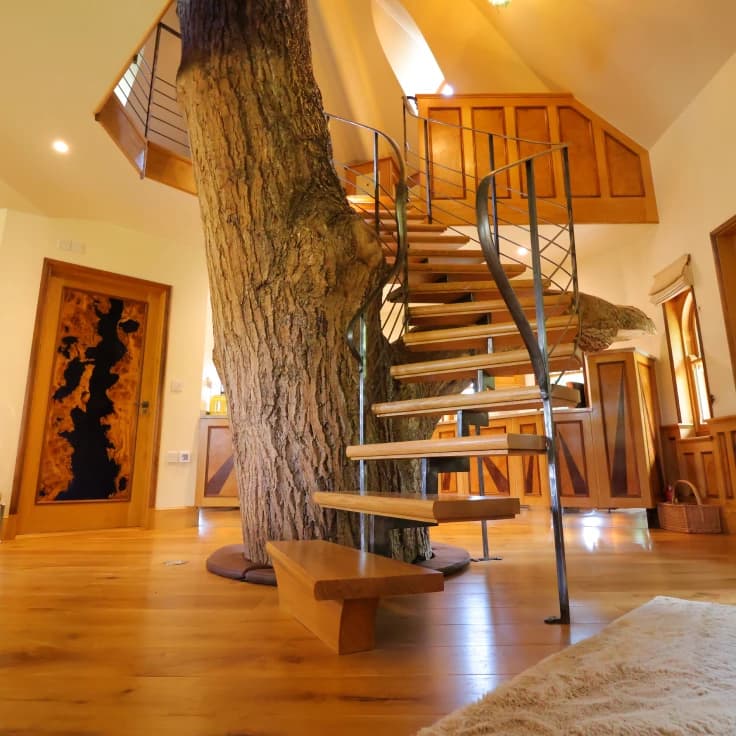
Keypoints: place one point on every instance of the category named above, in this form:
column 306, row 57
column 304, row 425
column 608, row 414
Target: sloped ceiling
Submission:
column 636, row 63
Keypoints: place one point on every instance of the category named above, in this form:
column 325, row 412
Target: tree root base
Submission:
column 230, row 562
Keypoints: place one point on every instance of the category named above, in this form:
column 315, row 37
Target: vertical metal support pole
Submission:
column 376, row 185
column 570, row 227
column 361, row 425
column 153, row 79
column 479, row 381
column 427, row 172
column 549, row 427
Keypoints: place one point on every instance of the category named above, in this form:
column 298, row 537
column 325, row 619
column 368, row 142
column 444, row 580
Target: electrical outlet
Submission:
column 185, row 456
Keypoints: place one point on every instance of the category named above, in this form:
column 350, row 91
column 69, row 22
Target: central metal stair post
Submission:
column 543, row 379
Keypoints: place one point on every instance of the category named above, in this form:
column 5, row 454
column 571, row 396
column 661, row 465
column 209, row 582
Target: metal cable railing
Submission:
column 150, row 98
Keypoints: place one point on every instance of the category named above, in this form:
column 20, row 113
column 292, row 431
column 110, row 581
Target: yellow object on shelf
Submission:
column 218, row 404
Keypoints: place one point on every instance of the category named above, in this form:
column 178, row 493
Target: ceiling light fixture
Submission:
column 522, row 251
column 60, row 146
column 447, row 89
column 499, row 3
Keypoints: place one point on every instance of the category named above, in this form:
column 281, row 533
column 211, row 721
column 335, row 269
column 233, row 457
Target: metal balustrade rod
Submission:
column 494, row 197
column 544, row 385
column 376, row 185
column 427, row 170
column 571, row 231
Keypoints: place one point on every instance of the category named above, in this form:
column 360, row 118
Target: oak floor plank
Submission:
column 101, row 636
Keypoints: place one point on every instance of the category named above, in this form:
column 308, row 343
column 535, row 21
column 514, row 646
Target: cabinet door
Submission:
column 578, row 479
column 625, row 426
column 497, row 469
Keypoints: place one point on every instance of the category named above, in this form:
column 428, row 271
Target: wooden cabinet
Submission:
column 525, row 476
column 625, row 428
column 216, row 485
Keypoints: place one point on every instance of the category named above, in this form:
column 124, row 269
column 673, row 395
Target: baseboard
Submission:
column 728, row 519
column 8, row 527
column 181, row 517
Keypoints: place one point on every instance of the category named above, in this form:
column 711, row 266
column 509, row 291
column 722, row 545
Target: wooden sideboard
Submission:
column 608, row 454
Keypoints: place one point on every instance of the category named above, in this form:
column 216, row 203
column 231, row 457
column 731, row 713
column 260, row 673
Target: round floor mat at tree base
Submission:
column 447, row 559
column 230, row 562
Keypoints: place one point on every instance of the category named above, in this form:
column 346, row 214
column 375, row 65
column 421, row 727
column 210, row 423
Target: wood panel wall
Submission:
column 610, row 174
column 709, row 461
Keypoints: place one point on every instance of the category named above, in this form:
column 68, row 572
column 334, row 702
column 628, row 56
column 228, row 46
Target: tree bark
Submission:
column 288, row 261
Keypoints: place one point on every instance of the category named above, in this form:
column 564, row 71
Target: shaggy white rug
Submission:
column 667, row 668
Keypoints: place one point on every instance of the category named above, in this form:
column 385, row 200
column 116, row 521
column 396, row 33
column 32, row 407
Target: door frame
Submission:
column 146, row 463
column 723, row 239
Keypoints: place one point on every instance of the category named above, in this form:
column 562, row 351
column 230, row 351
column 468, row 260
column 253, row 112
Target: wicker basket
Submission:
column 692, row 518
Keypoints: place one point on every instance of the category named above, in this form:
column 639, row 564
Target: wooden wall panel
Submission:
column 577, row 131
column 447, row 170
column 493, row 120
column 625, row 176
column 532, row 123
column 610, row 174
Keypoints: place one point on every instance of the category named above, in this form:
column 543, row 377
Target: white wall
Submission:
column 25, row 241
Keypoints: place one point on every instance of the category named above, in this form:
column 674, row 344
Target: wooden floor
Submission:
column 107, row 634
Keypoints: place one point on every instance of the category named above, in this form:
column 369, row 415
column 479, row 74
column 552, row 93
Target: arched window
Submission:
column 686, row 357
column 406, row 49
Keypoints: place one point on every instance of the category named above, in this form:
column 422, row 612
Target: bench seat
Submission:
column 334, row 590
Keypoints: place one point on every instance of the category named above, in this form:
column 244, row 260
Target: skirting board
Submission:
column 181, row 517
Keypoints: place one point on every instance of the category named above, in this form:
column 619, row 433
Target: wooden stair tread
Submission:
column 463, row 313
column 474, row 336
column 335, row 572
column 482, row 446
column 450, row 291
column 508, row 362
column 413, row 226
column 427, row 237
column 453, row 254
column 510, row 269
column 527, row 397
column 431, row 509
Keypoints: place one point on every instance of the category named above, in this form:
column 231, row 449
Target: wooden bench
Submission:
column 334, row 590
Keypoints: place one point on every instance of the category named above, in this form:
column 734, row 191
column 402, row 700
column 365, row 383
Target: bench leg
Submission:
column 346, row 626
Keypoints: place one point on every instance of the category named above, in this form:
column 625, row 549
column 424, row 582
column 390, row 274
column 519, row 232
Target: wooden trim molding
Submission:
column 181, row 517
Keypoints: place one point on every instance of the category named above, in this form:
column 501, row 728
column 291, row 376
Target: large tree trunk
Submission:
column 288, row 261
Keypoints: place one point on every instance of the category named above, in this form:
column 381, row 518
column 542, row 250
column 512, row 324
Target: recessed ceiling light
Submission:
column 499, row 3
column 60, row 146
column 447, row 90
column 522, row 251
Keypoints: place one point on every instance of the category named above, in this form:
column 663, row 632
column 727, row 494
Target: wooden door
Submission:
column 92, row 413
column 724, row 253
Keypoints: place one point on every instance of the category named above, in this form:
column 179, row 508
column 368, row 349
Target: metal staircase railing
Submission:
column 546, row 245
column 380, row 193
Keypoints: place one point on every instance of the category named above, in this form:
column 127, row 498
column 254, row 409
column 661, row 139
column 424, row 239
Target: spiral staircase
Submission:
column 468, row 299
